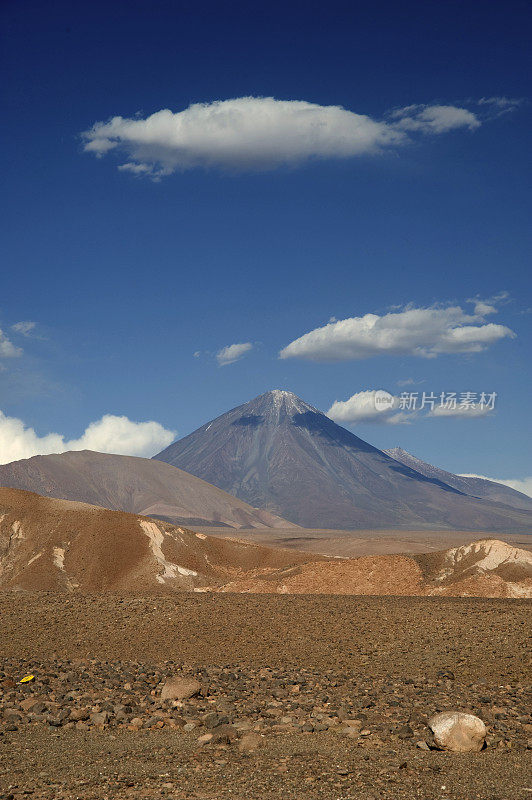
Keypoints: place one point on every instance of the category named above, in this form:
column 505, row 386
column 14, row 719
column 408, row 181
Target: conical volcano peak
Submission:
column 281, row 454
column 280, row 401
column 279, row 394
column 395, row 452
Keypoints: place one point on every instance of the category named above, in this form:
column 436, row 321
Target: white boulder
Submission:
column 458, row 732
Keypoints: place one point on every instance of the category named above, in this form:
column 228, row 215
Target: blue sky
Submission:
column 263, row 225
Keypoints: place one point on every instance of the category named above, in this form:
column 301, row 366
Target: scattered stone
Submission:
column 213, row 720
column 178, row 688
column 115, row 694
column 405, row 732
column 99, row 718
column 225, row 734
column 422, row 745
column 249, row 742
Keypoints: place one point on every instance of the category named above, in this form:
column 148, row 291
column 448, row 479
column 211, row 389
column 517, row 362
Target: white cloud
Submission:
column 434, row 119
column 482, row 307
column 232, row 353
column 25, row 327
column 475, row 410
column 113, row 434
column 368, row 406
column 488, row 305
column 519, row 484
column 380, row 406
column 261, row 133
column 7, row 348
column 497, row 106
column 425, row 332
column 110, row 434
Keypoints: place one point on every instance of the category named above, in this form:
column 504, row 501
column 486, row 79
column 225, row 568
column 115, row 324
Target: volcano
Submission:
column 281, row 454
column 476, row 487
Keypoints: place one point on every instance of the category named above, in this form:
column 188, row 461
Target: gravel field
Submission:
column 297, row 697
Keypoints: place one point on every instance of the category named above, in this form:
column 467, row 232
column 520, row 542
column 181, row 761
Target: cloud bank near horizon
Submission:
column 110, row 434
column 523, row 485
column 424, row 332
column 259, row 133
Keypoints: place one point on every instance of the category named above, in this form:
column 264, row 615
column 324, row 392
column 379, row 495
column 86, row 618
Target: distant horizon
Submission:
column 521, row 485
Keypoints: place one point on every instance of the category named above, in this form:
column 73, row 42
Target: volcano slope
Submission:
column 55, row 545
column 475, row 487
column 136, row 485
column 281, row 454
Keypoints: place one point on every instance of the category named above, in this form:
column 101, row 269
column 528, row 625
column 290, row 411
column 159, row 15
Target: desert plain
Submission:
column 301, row 696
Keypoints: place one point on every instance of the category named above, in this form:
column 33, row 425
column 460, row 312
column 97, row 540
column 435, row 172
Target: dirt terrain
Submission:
column 56, row 545
column 49, row 544
column 352, row 544
column 299, row 693
column 335, row 690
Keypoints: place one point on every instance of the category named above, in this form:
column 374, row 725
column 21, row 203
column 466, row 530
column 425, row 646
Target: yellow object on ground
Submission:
column 27, row 679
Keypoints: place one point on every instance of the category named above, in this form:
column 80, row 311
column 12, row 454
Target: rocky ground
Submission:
column 292, row 697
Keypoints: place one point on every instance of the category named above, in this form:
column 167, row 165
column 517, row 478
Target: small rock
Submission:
column 224, row 734
column 446, row 674
column 177, row 688
column 249, row 742
column 214, row 720
column 99, row 717
column 204, row 739
column 405, row 732
column 32, row 704
column 79, row 714
column 458, row 732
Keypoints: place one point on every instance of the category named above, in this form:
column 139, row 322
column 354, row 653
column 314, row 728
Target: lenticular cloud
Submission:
column 260, row 133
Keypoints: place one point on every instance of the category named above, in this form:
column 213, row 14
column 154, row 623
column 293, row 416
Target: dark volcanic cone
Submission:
column 281, row 454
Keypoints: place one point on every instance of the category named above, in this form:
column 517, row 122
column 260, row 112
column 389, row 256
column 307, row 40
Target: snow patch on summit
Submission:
column 283, row 400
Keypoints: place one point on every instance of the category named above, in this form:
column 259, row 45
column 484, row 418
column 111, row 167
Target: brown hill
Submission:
column 486, row 568
column 137, row 485
column 56, row 545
